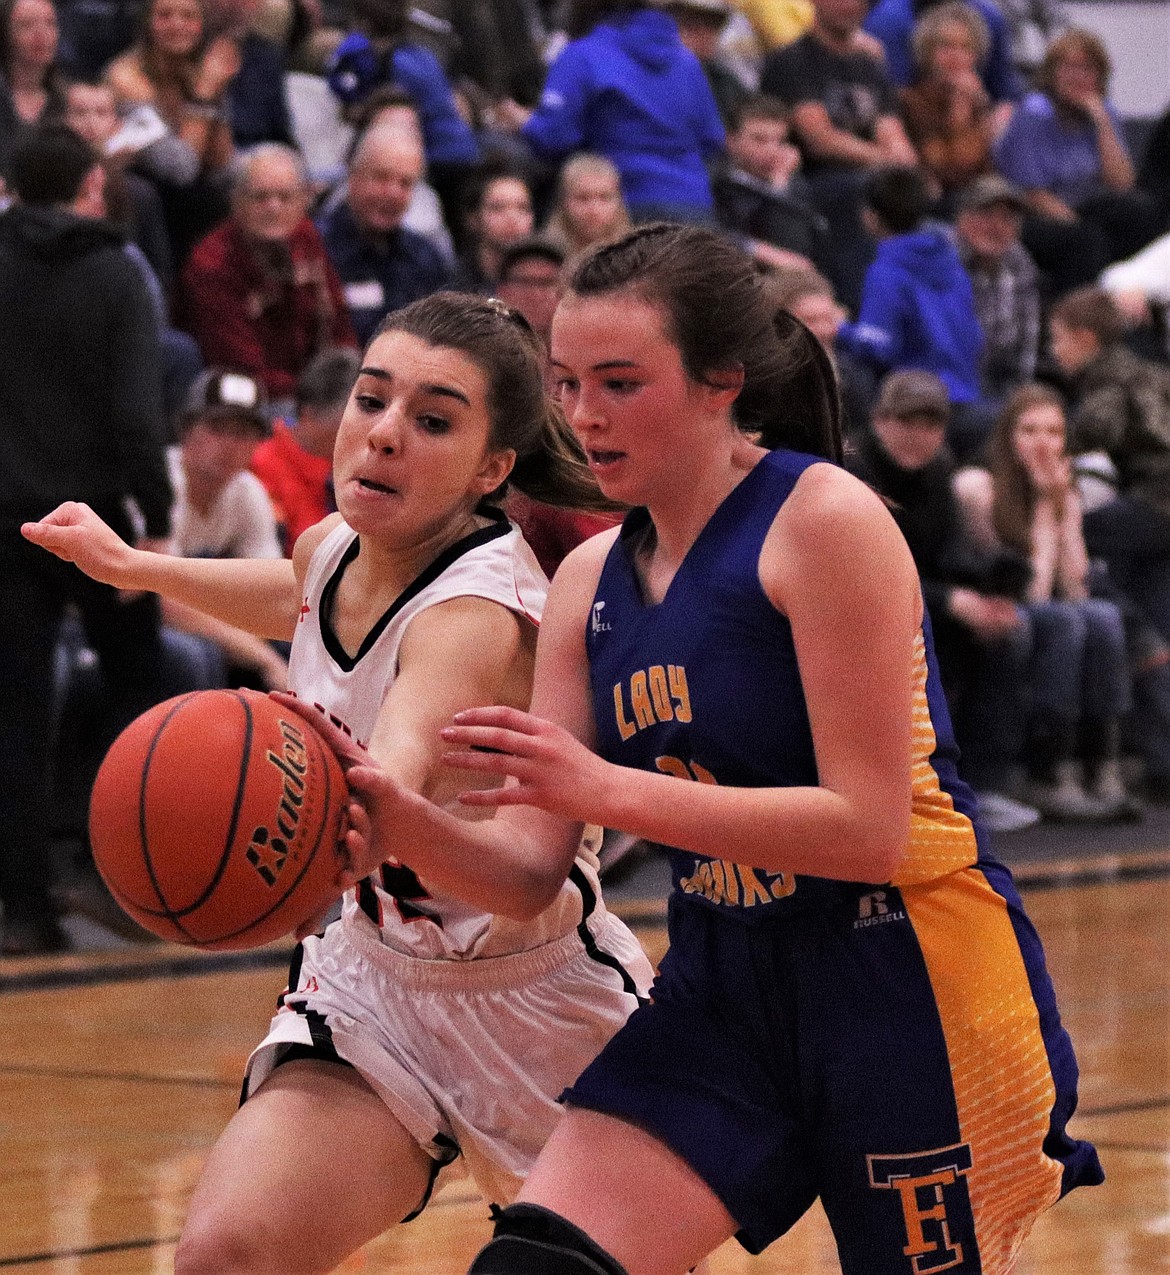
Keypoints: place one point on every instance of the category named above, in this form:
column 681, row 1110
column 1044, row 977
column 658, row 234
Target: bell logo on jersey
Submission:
column 933, row 1195
column 598, row 624
column 656, row 694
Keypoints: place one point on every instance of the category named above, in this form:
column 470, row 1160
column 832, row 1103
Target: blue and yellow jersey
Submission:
column 705, row 686
column 895, row 1049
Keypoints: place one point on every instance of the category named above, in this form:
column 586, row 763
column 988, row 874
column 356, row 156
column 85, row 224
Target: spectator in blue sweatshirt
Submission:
column 378, row 51
column 628, row 88
column 917, row 303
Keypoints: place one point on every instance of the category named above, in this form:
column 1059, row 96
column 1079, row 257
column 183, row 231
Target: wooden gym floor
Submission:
column 119, row 1067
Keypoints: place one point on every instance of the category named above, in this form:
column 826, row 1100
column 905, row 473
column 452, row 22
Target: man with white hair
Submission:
column 260, row 294
column 382, row 265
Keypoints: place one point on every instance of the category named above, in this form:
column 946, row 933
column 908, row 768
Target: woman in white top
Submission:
column 437, row 1016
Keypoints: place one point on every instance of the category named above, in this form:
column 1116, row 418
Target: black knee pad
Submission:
column 531, row 1240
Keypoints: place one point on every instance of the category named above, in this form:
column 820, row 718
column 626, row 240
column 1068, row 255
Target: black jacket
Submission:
column 80, row 375
column 927, row 513
column 782, row 219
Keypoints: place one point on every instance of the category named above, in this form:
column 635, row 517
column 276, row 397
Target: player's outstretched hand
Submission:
column 75, row 533
column 552, row 769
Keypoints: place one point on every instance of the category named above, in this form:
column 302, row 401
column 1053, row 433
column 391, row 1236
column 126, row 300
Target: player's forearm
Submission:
column 809, row 830
column 1116, row 166
column 502, row 865
column 258, row 595
column 833, row 144
column 241, row 647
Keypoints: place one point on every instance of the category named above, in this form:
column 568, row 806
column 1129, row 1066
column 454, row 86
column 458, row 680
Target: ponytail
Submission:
column 556, row 472
column 806, row 415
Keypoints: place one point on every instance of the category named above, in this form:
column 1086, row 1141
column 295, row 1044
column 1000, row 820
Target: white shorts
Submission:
column 470, row 1056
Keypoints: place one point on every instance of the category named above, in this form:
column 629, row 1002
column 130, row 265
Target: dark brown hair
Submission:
column 1075, row 40
column 1092, row 310
column 379, row 19
column 720, row 315
column 1014, row 502
column 54, row 82
column 757, row 106
column 550, row 465
column 584, row 15
column 48, row 165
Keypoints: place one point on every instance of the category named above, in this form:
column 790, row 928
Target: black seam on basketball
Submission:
column 588, row 904
column 311, row 854
column 167, row 912
column 229, row 840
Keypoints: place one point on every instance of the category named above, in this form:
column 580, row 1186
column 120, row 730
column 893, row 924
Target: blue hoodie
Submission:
column 918, row 311
column 357, row 69
column 632, row 91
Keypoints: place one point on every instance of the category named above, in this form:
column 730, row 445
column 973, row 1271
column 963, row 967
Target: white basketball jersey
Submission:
column 493, row 563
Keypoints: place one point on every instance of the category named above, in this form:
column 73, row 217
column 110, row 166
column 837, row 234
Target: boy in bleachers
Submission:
column 979, row 636
column 759, row 192
column 845, row 117
column 917, row 304
column 1122, row 408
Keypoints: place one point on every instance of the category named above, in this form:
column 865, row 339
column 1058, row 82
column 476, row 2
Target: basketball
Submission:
column 215, row 820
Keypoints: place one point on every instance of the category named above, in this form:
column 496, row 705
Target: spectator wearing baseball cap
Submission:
column 221, row 510
column 1005, row 281
column 978, row 633
column 917, row 304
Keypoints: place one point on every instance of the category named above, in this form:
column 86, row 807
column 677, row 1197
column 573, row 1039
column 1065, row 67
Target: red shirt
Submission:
column 551, row 532
column 297, row 482
column 252, row 321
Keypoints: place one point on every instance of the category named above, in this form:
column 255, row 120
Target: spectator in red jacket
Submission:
column 260, row 294
column 296, row 463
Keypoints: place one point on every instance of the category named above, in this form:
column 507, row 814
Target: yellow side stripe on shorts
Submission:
column 1004, row 1090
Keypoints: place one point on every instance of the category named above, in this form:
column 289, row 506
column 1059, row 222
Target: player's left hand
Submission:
column 347, row 750
column 551, row 768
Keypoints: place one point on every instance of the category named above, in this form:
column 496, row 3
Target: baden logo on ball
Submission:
column 267, row 853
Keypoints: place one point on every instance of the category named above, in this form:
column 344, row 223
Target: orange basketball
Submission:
column 215, row 820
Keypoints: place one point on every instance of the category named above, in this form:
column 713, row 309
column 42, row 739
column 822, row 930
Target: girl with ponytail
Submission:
column 435, row 1017
column 854, row 1005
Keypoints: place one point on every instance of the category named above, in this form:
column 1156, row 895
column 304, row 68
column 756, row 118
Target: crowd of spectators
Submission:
column 943, row 192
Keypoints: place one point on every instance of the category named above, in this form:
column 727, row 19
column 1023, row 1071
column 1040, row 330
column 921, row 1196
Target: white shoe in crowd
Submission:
column 1004, row 814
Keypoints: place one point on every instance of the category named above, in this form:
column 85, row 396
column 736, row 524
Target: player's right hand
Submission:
column 76, row 534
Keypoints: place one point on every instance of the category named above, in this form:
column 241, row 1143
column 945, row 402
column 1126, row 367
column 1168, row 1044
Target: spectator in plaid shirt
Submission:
column 1005, row 280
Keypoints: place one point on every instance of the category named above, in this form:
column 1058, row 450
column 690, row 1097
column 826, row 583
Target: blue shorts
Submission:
column 897, row 1054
